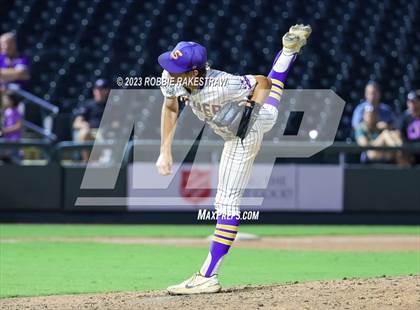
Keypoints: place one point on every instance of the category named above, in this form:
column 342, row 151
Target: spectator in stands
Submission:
column 88, row 115
column 370, row 132
column 373, row 98
column 11, row 129
column 13, row 67
column 409, row 126
column 11, row 118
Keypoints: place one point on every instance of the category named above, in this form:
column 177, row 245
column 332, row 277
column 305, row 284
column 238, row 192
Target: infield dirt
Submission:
column 309, row 243
column 376, row 293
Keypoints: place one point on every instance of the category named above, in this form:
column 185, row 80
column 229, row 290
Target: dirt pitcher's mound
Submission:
column 308, row 243
column 379, row 293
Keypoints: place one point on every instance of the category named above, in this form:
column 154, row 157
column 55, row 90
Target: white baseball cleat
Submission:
column 197, row 284
column 301, row 30
column 296, row 38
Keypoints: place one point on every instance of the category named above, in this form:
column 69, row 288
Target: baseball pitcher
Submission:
column 238, row 110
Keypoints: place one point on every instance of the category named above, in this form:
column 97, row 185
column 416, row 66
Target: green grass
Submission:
column 39, row 268
column 31, row 268
column 35, row 230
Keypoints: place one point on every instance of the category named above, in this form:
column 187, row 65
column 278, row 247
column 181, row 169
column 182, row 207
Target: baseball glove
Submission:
column 237, row 117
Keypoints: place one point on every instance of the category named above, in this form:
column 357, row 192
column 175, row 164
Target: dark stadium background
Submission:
column 70, row 44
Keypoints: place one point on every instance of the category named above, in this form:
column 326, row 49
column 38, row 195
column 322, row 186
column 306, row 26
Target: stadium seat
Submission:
column 72, row 45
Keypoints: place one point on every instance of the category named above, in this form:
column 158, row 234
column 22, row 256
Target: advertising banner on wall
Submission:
column 291, row 188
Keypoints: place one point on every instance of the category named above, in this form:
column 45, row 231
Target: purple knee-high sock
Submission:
column 278, row 75
column 224, row 235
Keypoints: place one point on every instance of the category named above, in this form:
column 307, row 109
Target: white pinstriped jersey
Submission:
column 238, row 156
column 205, row 102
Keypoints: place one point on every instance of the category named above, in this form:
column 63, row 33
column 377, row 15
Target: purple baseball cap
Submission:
column 186, row 56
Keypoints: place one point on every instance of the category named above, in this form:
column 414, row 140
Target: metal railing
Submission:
column 56, row 152
column 15, row 88
column 51, row 109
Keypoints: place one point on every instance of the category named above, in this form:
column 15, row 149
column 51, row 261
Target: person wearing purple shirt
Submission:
column 13, row 67
column 11, row 119
column 373, row 97
column 10, row 127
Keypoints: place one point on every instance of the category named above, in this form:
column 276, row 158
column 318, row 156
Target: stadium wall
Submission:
column 55, row 188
